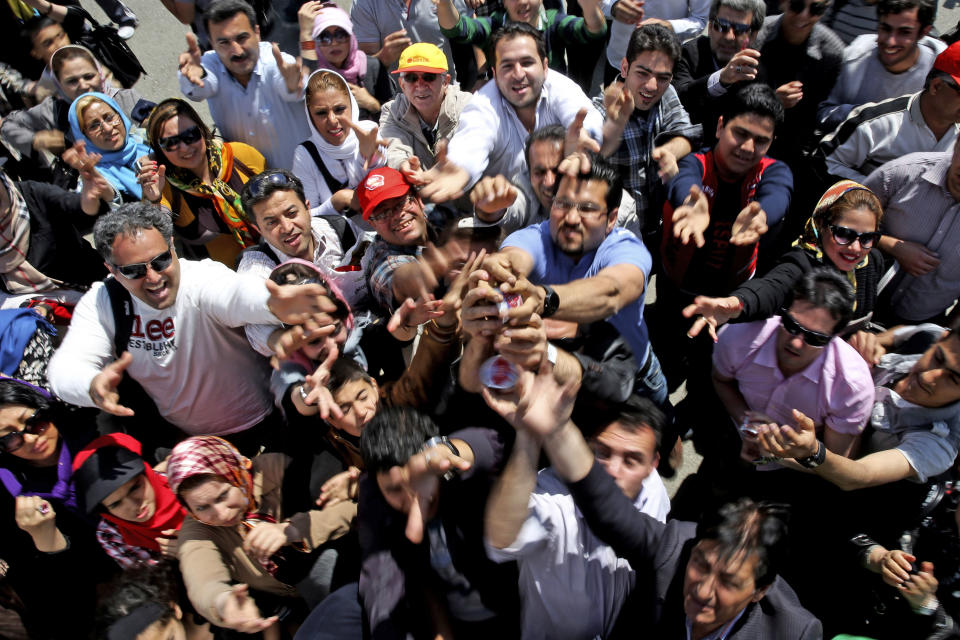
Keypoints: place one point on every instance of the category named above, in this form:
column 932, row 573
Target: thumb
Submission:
column 120, row 364
column 926, row 567
column 162, row 171
column 193, row 46
column 240, row 591
column 440, row 153
column 657, row 154
column 805, row 423
column 272, row 287
column 277, row 55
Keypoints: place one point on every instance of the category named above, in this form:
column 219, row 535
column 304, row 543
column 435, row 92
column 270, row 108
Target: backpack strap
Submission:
column 344, row 231
column 122, row 306
column 332, row 183
column 260, row 247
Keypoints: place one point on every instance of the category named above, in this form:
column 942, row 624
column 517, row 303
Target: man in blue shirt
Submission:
column 578, row 266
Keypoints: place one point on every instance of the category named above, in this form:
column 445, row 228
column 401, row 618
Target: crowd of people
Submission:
column 403, row 343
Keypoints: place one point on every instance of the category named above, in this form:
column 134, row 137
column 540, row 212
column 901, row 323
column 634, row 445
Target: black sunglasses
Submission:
column 260, row 181
column 721, row 25
column 34, row 425
column 816, row 8
column 327, row 39
column 412, row 77
column 139, row 270
column 845, row 236
column 794, row 328
column 189, row 136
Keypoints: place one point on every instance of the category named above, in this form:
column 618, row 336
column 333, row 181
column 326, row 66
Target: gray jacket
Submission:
column 400, row 122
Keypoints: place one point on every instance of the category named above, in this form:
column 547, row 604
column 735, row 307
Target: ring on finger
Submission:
column 739, row 69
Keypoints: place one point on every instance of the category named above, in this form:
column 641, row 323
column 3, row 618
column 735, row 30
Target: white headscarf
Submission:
column 349, row 149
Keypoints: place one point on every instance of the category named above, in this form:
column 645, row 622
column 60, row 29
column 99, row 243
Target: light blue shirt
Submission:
column 263, row 114
column 553, row 266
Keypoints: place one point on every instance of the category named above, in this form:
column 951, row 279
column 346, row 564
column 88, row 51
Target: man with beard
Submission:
column 496, row 124
column 253, row 90
column 577, row 266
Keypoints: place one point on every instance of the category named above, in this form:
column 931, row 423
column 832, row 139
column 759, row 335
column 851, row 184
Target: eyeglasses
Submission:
column 389, row 212
column 35, row 425
column 188, row 136
column 327, row 39
column 845, row 236
column 260, row 181
column 139, row 270
column 110, row 120
column 412, row 77
column 739, row 29
column 815, row 8
column 794, row 328
column 585, row 209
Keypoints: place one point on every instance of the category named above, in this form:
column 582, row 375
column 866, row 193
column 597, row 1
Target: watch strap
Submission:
column 437, row 441
column 817, row 459
column 551, row 301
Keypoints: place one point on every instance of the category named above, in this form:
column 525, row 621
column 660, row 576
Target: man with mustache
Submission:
column 253, row 90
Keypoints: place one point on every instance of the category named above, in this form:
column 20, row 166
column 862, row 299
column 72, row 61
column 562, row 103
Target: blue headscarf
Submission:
column 116, row 166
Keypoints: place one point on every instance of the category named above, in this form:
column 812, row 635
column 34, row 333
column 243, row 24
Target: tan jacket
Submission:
column 212, row 558
column 400, row 122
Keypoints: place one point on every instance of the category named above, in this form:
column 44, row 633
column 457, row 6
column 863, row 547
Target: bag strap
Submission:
column 332, row 183
column 122, row 306
column 344, row 231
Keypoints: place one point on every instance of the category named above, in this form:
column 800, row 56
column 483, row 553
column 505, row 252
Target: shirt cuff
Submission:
column 714, row 88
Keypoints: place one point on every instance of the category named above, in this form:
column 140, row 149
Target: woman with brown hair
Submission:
column 199, row 179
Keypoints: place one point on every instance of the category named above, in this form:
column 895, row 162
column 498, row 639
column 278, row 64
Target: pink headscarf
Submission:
column 355, row 64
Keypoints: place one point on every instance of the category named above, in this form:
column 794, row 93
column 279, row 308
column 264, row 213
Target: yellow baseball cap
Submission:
column 422, row 56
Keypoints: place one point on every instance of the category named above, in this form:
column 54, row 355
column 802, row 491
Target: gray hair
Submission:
column 130, row 219
column 757, row 9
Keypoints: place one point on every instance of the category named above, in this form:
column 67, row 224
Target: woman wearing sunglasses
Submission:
column 842, row 233
column 199, row 179
column 341, row 149
column 327, row 37
column 50, row 546
column 105, row 145
column 240, row 549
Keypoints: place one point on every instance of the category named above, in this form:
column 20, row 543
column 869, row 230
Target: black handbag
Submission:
column 112, row 51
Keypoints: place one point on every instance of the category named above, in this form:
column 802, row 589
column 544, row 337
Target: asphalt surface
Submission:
column 159, row 40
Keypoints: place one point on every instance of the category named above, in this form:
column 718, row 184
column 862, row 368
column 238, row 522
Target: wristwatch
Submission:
column 437, row 441
column 551, row 301
column 814, row 461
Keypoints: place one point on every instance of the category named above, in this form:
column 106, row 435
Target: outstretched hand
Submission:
column 537, row 404
column 103, row 388
column 292, row 71
column 190, row 62
column 750, row 224
column 789, row 442
column 691, row 219
column 578, row 138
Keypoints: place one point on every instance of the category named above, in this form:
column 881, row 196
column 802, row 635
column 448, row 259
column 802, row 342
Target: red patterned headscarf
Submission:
column 210, row 454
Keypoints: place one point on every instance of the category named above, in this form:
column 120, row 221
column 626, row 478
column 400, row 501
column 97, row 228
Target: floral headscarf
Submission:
column 210, row 454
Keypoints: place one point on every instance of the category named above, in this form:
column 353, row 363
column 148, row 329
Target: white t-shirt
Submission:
column 192, row 358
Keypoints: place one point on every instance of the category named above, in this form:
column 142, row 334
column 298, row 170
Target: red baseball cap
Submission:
column 379, row 185
column 949, row 61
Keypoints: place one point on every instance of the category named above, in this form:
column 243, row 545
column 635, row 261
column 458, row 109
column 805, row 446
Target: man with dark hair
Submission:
column 275, row 202
column 647, row 131
column 172, row 325
column 716, row 62
column 253, row 90
column 424, row 570
column 763, row 371
column 495, row 125
column 893, row 63
column 531, row 518
column 579, row 267
column 716, row 579
column 875, row 134
column 527, row 200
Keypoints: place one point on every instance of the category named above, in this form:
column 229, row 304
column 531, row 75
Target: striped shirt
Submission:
column 917, row 207
column 851, row 19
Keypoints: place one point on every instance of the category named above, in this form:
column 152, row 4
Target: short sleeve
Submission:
column 851, row 393
column 365, row 23
column 728, row 353
column 531, row 240
column 929, row 454
column 623, row 247
column 538, row 532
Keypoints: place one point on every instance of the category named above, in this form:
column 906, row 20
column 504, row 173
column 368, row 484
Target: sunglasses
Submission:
column 412, row 77
column 794, row 328
column 815, row 8
column 188, row 136
column 35, row 425
column 845, row 236
column 139, row 269
column 327, row 39
column 261, row 181
column 739, row 29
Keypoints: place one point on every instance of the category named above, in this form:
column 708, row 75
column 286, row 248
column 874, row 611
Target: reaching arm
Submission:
column 599, row 297
column 507, row 508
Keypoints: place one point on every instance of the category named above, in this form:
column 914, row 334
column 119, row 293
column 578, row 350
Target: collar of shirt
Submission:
column 937, row 174
column 318, row 250
column 719, row 634
column 508, row 109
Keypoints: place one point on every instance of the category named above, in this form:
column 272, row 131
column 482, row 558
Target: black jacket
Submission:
column 659, row 554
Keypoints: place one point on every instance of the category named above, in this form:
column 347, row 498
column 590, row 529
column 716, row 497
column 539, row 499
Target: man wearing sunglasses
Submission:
column 764, row 370
column 875, row 134
column 714, row 63
column 427, row 111
column 892, row 63
column 184, row 347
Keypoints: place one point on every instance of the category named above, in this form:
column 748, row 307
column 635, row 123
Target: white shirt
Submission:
column 263, row 114
column 687, row 17
column 192, row 358
column 490, row 138
column 572, row 585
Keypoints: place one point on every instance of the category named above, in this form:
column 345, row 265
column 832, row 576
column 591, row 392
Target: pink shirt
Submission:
column 836, row 390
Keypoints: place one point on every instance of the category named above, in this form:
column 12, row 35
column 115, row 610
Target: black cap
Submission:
column 105, row 471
